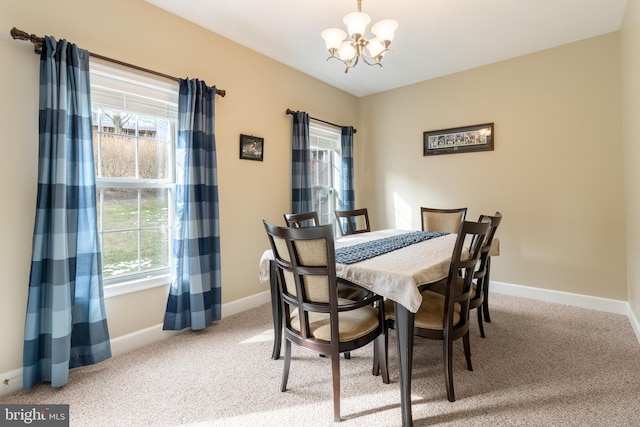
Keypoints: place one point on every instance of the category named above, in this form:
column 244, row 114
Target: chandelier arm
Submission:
column 377, row 59
column 366, row 60
column 346, row 63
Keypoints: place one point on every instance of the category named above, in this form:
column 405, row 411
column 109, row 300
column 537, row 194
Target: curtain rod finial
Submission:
column 23, row 35
column 19, row 34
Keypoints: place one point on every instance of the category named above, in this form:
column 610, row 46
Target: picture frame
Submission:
column 251, row 147
column 459, row 140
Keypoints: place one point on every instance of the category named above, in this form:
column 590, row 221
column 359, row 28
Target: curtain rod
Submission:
column 38, row 41
column 291, row 112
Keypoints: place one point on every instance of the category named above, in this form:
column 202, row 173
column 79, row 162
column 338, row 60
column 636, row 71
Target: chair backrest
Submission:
column 353, row 221
column 464, row 261
column 442, row 220
column 484, row 251
column 306, row 219
column 306, row 271
column 495, row 222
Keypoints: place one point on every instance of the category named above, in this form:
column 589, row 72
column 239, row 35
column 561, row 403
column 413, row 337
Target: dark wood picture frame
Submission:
column 251, row 147
column 459, row 140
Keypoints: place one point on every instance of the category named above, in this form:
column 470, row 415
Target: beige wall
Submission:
column 556, row 172
column 259, row 91
column 630, row 35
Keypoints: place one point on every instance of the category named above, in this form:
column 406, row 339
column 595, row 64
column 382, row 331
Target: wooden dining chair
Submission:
column 353, row 221
column 345, row 289
column 446, row 317
column 442, row 220
column 314, row 316
column 495, row 222
column 480, row 285
column 305, row 219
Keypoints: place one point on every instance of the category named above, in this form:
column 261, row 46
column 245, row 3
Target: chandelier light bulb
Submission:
column 333, row 38
column 375, row 47
column 385, row 29
column 347, row 51
column 356, row 23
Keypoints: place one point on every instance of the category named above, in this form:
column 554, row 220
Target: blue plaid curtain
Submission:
column 66, row 325
column 195, row 293
column 348, row 193
column 300, row 164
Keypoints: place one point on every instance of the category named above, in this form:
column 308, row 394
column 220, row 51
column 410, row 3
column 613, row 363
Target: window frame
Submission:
column 133, row 84
column 333, row 147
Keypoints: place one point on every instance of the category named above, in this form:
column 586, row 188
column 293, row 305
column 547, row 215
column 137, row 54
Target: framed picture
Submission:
column 251, row 147
column 459, row 140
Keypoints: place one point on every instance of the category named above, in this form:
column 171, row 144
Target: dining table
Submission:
column 398, row 273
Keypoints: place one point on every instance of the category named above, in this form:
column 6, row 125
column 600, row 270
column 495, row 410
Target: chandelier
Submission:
column 350, row 51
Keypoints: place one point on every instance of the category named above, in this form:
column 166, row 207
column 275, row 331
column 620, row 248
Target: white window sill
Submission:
column 136, row 285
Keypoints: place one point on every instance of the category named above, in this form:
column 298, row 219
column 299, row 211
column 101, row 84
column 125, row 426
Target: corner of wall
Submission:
column 634, row 322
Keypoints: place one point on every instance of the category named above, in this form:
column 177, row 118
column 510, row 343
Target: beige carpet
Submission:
column 541, row 364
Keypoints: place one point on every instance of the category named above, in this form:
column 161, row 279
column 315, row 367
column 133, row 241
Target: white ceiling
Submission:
column 434, row 37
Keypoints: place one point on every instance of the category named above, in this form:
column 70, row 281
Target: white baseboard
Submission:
column 135, row 340
column 575, row 300
column 12, row 380
column 243, row 304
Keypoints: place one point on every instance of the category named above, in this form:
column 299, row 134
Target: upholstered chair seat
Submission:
column 351, row 324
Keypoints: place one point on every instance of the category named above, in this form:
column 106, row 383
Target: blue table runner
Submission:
column 374, row 248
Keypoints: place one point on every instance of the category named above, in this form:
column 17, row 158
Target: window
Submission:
column 326, row 171
column 134, row 131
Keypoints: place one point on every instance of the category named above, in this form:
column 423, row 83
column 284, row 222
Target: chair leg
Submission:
column 485, row 303
column 287, row 364
column 277, row 342
column 448, row 371
column 380, row 361
column 276, row 309
column 335, row 371
column 480, row 323
column 467, row 350
column 376, row 359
